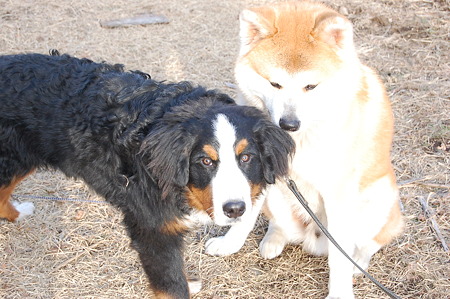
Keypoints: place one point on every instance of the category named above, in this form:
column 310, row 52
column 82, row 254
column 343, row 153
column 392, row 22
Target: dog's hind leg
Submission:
column 13, row 211
column 15, row 164
column 388, row 222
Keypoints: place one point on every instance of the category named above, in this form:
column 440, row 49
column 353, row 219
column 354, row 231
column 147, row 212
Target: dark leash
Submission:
column 293, row 187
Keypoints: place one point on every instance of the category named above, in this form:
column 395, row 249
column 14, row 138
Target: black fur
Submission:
column 131, row 139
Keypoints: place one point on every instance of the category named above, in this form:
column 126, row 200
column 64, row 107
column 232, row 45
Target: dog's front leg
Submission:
column 235, row 238
column 341, row 269
column 162, row 259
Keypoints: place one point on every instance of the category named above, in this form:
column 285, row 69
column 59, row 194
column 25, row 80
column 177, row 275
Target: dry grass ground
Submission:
column 80, row 250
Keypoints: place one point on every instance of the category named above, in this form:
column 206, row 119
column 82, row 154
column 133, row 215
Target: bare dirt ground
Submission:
column 80, row 249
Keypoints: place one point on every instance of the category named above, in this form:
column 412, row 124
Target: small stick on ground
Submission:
column 410, row 182
column 429, row 213
column 230, row 85
column 431, row 185
column 143, row 19
column 420, row 182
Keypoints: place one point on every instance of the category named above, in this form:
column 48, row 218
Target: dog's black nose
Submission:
column 234, row 209
column 290, row 125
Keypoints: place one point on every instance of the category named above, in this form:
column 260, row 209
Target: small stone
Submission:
column 343, row 10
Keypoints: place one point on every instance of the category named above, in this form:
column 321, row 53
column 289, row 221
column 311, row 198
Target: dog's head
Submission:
column 221, row 159
column 294, row 60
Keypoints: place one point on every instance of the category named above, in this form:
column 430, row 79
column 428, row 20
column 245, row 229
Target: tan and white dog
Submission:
column 297, row 61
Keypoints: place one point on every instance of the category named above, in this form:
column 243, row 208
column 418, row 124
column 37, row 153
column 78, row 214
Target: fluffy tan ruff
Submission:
column 298, row 62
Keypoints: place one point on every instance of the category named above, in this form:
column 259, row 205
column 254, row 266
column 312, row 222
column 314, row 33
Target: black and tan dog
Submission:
column 159, row 152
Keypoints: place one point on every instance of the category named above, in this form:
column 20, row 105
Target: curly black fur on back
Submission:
column 127, row 136
column 94, row 114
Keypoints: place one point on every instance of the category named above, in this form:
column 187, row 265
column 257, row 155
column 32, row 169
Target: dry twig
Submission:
column 143, row 19
column 429, row 213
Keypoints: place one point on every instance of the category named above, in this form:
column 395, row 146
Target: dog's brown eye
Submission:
column 310, row 87
column 245, row 158
column 276, row 85
column 207, row 161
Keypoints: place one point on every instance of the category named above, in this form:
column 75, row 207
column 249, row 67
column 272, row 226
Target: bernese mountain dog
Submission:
column 160, row 152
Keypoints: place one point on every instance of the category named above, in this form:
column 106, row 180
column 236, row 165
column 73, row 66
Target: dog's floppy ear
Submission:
column 334, row 29
column 276, row 149
column 166, row 152
column 255, row 24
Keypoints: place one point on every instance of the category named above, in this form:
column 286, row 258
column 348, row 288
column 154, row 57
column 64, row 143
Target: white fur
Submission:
column 197, row 217
column 229, row 182
column 195, row 286
column 332, row 145
column 25, row 209
column 235, row 238
column 247, row 18
column 286, row 227
column 352, row 217
column 325, row 158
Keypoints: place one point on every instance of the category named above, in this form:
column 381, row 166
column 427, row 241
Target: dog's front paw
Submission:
column 195, row 286
column 363, row 263
column 24, row 209
column 271, row 246
column 350, row 296
column 221, row 246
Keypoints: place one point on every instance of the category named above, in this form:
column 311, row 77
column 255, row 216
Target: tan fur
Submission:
column 175, row 227
column 194, row 287
column 162, row 295
column 392, row 227
column 256, row 191
column 200, row 199
column 298, row 62
column 7, row 210
column 211, row 152
column 241, row 146
column 292, row 47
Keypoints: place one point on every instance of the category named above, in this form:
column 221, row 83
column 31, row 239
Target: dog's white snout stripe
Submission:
column 229, row 184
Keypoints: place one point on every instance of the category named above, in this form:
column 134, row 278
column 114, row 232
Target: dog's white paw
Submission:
column 363, row 263
column 271, row 246
column 195, row 286
column 350, row 296
column 363, row 255
column 24, row 209
column 221, row 246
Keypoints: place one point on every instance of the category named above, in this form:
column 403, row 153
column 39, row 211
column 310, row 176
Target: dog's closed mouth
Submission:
column 157, row 151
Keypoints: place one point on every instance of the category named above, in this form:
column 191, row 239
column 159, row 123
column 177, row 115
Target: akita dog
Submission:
column 298, row 62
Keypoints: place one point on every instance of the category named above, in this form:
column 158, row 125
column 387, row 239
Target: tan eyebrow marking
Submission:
column 241, row 146
column 211, row 152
